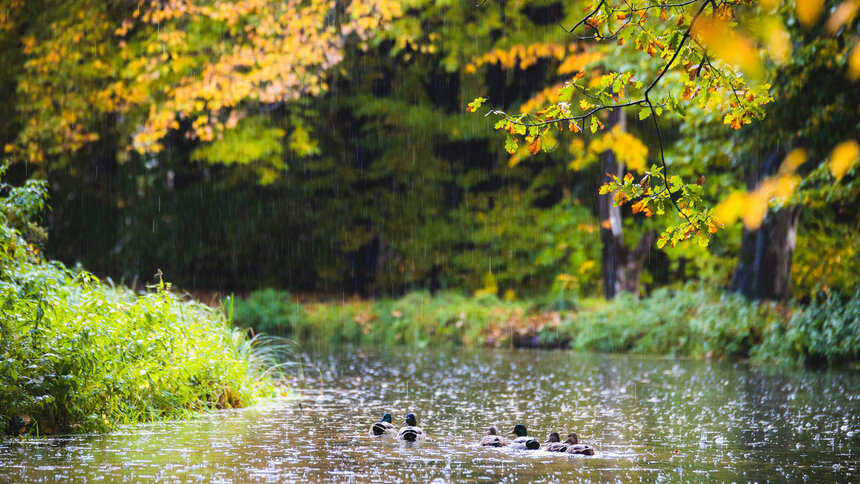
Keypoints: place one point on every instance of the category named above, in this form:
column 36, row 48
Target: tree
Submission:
column 180, row 66
column 708, row 57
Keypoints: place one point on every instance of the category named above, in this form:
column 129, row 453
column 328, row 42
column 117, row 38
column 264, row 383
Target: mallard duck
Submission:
column 493, row 439
column 523, row 441
column 383, row 428
column 412, row 432
column 574, row 447
column 554, row 444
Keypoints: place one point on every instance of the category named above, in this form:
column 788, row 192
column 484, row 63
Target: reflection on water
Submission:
column 649, row 419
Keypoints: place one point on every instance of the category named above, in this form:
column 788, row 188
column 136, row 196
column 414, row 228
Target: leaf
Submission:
column 474, row 105
column 644, row 113
column 593, row 124
column 854, row 63
column 730, row 209
column 843, row 157
column 534, row 146
column 808, row 11
column 511, row 145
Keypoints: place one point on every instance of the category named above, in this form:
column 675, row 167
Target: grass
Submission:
column 79, row 355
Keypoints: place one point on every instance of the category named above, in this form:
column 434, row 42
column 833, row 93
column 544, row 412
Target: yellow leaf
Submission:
column 854, row 63
column 842, row 15
column 843, row 157
column 755, row 210
column 777, row 39
column 729, row 45
column 606, row 224
column 793, row 161
column 808, row 11
column 730, row 209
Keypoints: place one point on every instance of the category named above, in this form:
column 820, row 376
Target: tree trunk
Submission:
column 636, row 262
column 621, row 271
column 613, row 255
column 764, row 262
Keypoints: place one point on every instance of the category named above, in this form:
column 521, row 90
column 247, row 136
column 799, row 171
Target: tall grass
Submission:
column 80, row 355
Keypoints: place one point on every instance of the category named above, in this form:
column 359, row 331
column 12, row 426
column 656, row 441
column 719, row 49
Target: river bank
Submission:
column 685, row 321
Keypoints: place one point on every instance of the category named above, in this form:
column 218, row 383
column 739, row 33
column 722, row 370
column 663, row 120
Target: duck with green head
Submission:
column 574, row 447
column 493, row 439
column 383, row 428
column 411, row 432
column 554, row 444
column 523, row 441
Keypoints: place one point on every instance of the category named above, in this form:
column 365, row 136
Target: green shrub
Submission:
column 825, row 332
column 688, row 321
column 415, row 319
column 267, row 311
column 79, row 355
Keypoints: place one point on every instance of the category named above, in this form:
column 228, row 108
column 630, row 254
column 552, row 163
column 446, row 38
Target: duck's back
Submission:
column 383, row 429
column 582, row 449
column 411, row 434
column 529, row 443
column 493, row 441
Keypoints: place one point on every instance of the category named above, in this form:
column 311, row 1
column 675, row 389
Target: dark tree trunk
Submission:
column 636, row 262
column 764, row 262
column 611, row 235
column 621, row 271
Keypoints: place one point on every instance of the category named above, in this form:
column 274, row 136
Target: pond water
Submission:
column 650, row 419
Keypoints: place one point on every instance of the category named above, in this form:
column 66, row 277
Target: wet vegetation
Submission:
column 687, row 321
column 653, row 178
column 79, row 354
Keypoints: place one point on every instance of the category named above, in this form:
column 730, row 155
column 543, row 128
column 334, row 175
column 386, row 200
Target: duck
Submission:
column 383, row 428
column 574, row 447
column 493, row 439
column 523, row 441
column 411, row 432
column 554, row 444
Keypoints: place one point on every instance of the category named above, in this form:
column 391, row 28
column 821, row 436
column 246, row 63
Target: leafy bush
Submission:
column 415, row 319
column 79, row 355
column 689, row 321
column 266, row 311
column 825, row 332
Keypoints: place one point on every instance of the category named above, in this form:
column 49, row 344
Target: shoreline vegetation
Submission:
column 689, row 321
column 81, row 355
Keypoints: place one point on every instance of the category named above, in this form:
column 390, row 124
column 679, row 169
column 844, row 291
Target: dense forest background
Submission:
column 373, row 179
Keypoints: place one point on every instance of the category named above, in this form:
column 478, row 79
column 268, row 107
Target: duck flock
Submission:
column 411, row 432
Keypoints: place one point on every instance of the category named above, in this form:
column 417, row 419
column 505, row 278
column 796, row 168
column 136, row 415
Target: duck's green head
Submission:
column 386, row 418
column 520, row 430
column 411, row 421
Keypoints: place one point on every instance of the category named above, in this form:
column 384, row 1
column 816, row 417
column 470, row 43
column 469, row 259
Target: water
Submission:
column 650, row 420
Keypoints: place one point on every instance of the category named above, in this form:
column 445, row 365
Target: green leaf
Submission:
column 474, row 105
column 511, row 145
column 644, row 113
